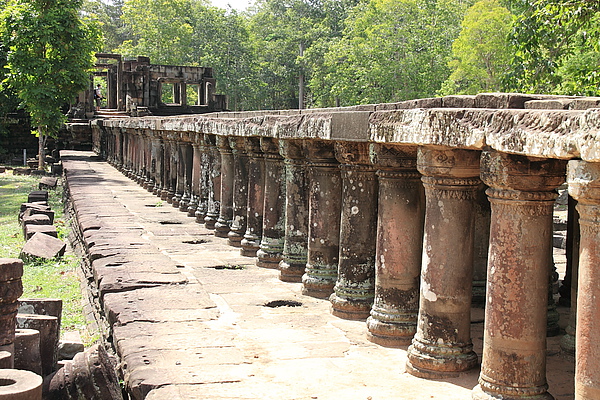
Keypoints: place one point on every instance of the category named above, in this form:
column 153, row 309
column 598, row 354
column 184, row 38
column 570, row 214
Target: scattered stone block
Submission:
column 48, row 182
column 38, row 172
column 43, row 246
column 2, row 170
column 27, row 350
column 42, row 306
column 41, row 205
column 39, row 211
column 37, row 195
column 67, row 349
column 21, row 171
column 19, row 384
column 47, row 325
column 31, row 230
column 36, row 219
column 6, row 360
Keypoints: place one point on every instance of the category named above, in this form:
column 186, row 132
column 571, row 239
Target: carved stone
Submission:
column 271, row 245
column 584, row 186
column 223, row 223
column 212, row 178
column 325, row 201
column 355, row 286
column 198, row 150
column 522, row 196
column 256, row 192
column 442, row 345
column 11, row 288
column 293, row 264
column 400, row 216
column 240, row 191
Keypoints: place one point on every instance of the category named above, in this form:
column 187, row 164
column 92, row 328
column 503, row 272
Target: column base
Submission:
column 268, row 260
column 221, row 228
column 248, row 251
column 390, row 334
column 319, row 288
column 437, row 362
column 356, row 309
column 291, row 272
column 567, row 344
column 250, row 245
column 210, row 221
column 234, row 239
column 519, row 394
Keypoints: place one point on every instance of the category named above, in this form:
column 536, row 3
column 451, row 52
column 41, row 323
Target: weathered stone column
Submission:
column 212, row 188
column 146, row 178
column 400, row 217
column 164, row 192
column 271, row 245
column 173, row 162
column 522, row 197
column 223, row 223
column 11, row 288
column 197, row 146
column 567, row 342
column 584, row 186
column 158, row 152
column 293, row 264
column 442, row 346
column 355, row 285
column 179, row 181
column 325, row 203
column 256, row 190
column 480, row 251
column 240, row 191
column 188, row 161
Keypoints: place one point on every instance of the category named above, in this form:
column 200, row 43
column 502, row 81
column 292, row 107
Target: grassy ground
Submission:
column 56, row 278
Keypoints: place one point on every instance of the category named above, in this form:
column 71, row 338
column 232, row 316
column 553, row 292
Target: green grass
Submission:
column 55, row 278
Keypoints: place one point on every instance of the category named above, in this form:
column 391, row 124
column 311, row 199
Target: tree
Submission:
column 552, row 38
column 49, row 58
column 482, row 52
column 108, row 16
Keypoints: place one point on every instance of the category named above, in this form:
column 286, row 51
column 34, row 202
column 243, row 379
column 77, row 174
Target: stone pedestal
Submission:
column 11, row 288
column 355, row 286
column 325, row 202
column 47, row 326
column 20, row 385
column 480, row 251
column 271, row 245
column 584, row 186
column 442, row 346
column 223, row 223
column 400, row 217
column 522, row 197
column 256, row 198
column 293, row 264
column 240, row 191
column 27, row 350
column 211, row 188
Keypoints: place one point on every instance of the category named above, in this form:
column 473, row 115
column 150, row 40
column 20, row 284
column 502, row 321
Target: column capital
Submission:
column 392, row 156
column 291, row 149
column 521, row 173
column 252, row 146
column 448, row 163
column 270, row 147
column 318, row 151
column 353, row 153
column 584, row 181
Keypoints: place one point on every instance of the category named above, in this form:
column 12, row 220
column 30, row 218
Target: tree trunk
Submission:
column 41, row 148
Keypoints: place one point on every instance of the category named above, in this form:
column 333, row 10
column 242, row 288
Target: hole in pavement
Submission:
column 197, row 241
column 236, row 267
column 170, row 223
column 283, row 303
column 180, row 266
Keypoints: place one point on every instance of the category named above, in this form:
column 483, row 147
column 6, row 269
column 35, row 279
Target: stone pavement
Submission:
column 190, row 317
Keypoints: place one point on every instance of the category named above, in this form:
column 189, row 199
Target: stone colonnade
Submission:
column 381, row 209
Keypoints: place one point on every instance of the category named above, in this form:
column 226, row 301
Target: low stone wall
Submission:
column 401, row 214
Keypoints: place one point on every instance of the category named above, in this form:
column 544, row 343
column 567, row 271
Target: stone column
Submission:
column 256, row 190
column 223, row 223
column 480, row 251
column 522, row 197
column 240, row 191
column 293, row 264
column 442, row 346
column 584, row 186
column 179, row 170
column 400, row 217
column 355, row 285
column 567, row 342
column 212, row 187
column 325, row 203
column 197, row 147
column 188, row 160
column 271, row 245
column 11, row 288
column 174, row 162
column 164, row 192
column 159, row 165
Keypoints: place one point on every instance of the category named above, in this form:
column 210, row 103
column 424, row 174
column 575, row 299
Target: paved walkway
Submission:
column 189, row 316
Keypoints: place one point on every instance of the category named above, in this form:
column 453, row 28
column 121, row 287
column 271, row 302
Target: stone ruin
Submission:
column 401, row 214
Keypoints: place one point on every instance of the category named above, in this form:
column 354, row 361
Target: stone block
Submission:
column 43, row 246
column 48, row 182
column 37, row 195
column 41, row 205
column 39, row 211
column 47, row 325
column 67, row 349
column 36, row 219
column 6, row 360
column 31, row 230
column 2, row 170
column 20, row 385
column 42, row 306
column 21, row 171
column 503, row 100
column 458, row 101
column 27, row 350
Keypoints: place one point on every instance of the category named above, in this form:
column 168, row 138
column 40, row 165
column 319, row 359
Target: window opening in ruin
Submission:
column 167, row 93
column 193, row 94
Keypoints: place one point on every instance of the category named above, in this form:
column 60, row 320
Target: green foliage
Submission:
column 108, row 17
column 49, row 56
column 552, row 39
column 481, row 53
